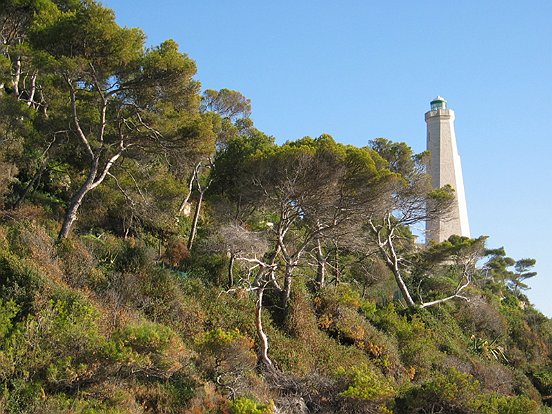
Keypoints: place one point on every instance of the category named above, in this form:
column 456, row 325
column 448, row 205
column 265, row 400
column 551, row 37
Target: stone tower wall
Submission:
column 445, row 168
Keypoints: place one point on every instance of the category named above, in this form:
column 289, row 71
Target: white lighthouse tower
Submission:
column 445, row 168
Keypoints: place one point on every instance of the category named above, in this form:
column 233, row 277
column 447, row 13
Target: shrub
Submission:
column 227, row 357
column 494, row 376
column 297, row 356
column 210, row 267
column 365, row 383
column 59, row 347
column 244, row 405
column 227, row 311
column 134, row 258
column 176, row 252
column 488, row 349
column 416, row 343
column 63, row 404
column 300, row 319
column 148, row 348
column 543, row 380
column 502, row 404
column 105, row 248
column 59, row 344
column 343, row 318
column 346, row 295
column 18, row 281
column 8, row 310
column 481, row 318
column 451, row 392
column 79, row 265
column 23, row 397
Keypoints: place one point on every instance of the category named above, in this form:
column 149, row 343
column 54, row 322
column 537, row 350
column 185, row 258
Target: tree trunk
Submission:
column 17, row 77
column 74, row 205
column 190, row 189
column 30, row 101
column 391, row 258
column 263, row 338
column 402, row 286
column 286, row 292
column 195, row 220
column 231, row 270
column 336, row 265
column 76, row 200
column 321, row 270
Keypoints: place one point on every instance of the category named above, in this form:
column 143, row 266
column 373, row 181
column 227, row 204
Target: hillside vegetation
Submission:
column 160, row 254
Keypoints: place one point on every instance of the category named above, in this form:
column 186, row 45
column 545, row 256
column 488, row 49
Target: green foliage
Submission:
column 148, row 348
column 441, row 195
column 456, row 392
column 23, row 397
column 502, row 404
column 62, row 404
column 349, row 296
column 489, row 349
column 91, row 33
column 450, row 392
column 498, row 267
column 398, row 154
column 366, row 383
column 218, row 338
column 211, row 268
column 342, row 314
column 231, row 167
column 104, row 322
column 134, row 258
column 244, row 405
column 416, row 343
column 18, row 281
column 59, row 348
column 543, row 380
column 228, row 347
column 227, row 103
column 8, row 310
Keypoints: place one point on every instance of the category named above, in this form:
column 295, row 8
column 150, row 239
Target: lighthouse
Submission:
column 445, row 168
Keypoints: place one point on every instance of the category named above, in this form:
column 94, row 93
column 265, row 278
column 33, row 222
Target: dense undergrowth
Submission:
column 160, row 254
column 97, row 323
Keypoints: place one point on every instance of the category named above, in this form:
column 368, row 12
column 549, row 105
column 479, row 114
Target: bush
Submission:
column 481, row 318
column 494, row 376
column 176, row 253
column 543, row 380
column 59, row 348
column 227, row 357
column 63, row 404
column 79, row 265
column 366, row 383
column 245, row 405
column 8, row 310
column 22, row 398
column 451, row 392
column 347, row 296
column 300, row 320
column 502, row 404
column 134, row 258
column 342, row 314
column 148, row 349
column 18, row 282
column 416, row 343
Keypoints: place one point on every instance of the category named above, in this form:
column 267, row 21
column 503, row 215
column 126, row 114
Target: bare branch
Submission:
column 76, row 121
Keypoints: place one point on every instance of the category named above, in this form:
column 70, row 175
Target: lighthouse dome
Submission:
column 438, row 103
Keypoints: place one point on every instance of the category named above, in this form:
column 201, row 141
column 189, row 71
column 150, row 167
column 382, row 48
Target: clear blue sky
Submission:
column 364, row 69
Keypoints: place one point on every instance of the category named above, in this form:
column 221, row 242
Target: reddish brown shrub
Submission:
column 176, row 253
